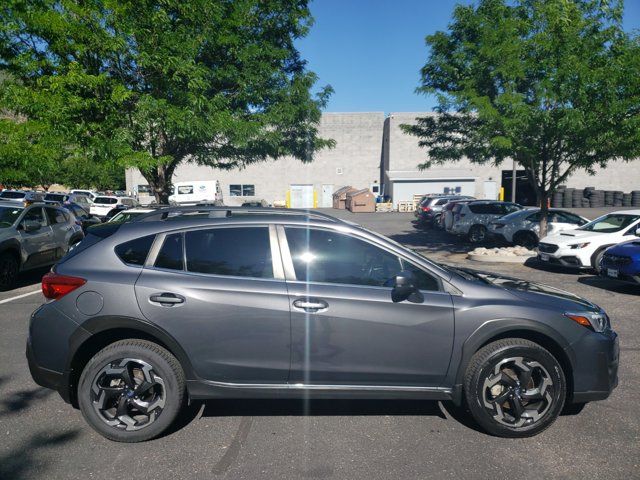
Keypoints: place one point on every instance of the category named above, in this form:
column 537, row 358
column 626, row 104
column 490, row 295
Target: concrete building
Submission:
column 371, row 149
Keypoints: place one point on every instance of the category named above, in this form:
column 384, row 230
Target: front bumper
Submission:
column 596, row 360
column 621, row 274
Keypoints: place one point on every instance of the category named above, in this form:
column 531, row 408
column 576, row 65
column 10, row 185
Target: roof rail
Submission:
column 221, row 212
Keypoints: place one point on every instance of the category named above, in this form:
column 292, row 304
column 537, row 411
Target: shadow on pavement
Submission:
column 610, row 285
column 18, row 401
column 26, row 459
column 31, row 277
column 545, row 267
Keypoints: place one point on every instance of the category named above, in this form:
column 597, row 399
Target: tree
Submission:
column 153, row 83
column 553, row 84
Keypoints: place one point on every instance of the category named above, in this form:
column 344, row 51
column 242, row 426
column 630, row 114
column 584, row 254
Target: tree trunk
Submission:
column 159, row 179
column 544, row 211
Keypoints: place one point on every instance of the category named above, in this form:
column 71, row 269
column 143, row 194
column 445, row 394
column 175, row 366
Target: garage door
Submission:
column 403, row 191
column 301, row 196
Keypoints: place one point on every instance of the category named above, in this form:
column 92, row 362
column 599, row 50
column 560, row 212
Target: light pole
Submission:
column 513, row 183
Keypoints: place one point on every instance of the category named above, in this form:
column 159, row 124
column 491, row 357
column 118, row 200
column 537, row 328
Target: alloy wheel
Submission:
column 127, row 394
column 518, row 392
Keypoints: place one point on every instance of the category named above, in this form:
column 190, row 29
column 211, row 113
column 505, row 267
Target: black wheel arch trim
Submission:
column 99, row 325
column 500, row 328
column 12, row 245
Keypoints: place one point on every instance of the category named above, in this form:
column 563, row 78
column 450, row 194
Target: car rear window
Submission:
column 134, row 252
column 55, row 197
column 13, row 194
column 106, row 200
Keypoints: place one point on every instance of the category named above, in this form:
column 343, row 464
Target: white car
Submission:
column 584, row 246
column 129, row 214
column 192, row 193
column 523, row 227
column 88, row 193
column 474, row 217
column 105, row 203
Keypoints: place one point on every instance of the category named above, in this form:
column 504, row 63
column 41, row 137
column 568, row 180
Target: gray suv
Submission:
column 32, row 237
column 202, row 302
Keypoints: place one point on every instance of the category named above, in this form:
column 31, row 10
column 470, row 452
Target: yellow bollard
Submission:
column 501, row 195
column 287, row 201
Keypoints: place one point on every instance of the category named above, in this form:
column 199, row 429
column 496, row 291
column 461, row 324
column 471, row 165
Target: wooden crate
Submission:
column 384, row 207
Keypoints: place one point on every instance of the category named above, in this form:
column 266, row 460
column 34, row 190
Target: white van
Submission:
column 144, row 194
column 194, row 192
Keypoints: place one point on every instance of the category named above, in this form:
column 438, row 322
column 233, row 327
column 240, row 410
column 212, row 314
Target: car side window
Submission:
column 239, row 252
column 134, row 252
column 425, row 281
column 171, row 255
column 55, row 215
column 36, row 214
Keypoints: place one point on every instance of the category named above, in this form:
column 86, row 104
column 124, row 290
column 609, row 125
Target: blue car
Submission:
column 622, row 262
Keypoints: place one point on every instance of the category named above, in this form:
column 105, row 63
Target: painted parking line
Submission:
column 17, row 297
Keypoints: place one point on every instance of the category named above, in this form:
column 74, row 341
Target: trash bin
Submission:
column 361, row 201
column 340, row 197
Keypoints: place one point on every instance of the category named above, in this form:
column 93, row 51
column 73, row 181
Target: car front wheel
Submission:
column 514, row 388
column 477, row 234
column 8, row 270
column 131, row 391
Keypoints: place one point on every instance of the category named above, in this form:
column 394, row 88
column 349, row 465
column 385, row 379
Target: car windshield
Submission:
column 105, row 200
column 8, row 216
column 125, row 216
column 13, row 195
column 515, row 215
column 611, row 223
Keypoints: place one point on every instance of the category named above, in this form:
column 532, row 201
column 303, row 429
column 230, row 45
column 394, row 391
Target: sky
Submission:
column 371, row 51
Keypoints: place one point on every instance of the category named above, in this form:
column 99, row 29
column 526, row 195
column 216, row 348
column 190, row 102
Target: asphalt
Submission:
column 42, row 437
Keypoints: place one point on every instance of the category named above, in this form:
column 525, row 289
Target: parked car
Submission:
column 430, row 209
column 82, row 216
column 102, row 205
column 523, row 226
column 25, row 197
column 451, row 212
column 66, row 198
column 474, row 217
column 89, row 193
column 622, row 262
column 585, row 246
column 32, row 237
column 282, row 303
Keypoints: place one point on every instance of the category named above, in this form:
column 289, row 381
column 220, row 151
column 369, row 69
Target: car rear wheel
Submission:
column 8, row 270
column 131, row 391
column 514, row 388
column 526, row 239
column 477, row 234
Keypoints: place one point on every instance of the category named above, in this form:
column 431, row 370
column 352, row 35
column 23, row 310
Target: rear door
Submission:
column 345, row 328
column 220, row 292
column 61, row 229
column 39, row 245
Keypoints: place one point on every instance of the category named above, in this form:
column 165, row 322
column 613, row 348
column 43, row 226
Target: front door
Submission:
column 38, row 244
column 345, row 328
column 219, row 293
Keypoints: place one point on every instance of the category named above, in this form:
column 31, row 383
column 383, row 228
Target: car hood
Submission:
column 627, row 249
column 538, row 293
column 571, row 236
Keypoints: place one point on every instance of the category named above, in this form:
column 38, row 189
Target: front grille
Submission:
column 547, row 247
column 616, row 260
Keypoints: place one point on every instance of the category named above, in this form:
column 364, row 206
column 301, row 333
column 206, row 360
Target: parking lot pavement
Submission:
column 41, row 437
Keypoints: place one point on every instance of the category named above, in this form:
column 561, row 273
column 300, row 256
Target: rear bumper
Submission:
column 45, row 377
column 595, row 375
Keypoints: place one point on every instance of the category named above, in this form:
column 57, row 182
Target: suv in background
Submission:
column 103, row 204
column 22, row 196
column 34, row 236
column 430, row 209
column 82, row 216
column 203, row 302
column 450, row 213
column 66, row 198
column 474, row 217
column 88, row 193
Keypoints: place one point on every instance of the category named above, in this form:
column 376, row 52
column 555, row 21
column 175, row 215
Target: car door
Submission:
column 220, row 292
column 38, row 244
column 61, row 229
column 345, row 328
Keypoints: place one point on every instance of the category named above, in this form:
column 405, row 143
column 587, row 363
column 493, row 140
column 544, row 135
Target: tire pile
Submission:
column 589, row 197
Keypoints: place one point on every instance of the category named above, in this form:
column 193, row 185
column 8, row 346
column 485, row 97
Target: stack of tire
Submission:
column 596, row 197
column 567, row 199
column 635, row 198
column 557, row 198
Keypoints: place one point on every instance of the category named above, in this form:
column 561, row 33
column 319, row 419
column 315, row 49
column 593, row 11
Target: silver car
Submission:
column 474, row 217
column 34, row 236
column 523, row 227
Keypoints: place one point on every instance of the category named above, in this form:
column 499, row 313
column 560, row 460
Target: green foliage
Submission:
column 554, row 84
column 152, row 83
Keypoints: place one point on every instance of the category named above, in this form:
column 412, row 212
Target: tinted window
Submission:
column 105, row 200
column 566, row 217
column 240, row 252
column 480, row 208
column 425, row 281
column 507, row 208
column 35, row 214
column 8, row 216
column 55, row 216
column 13, row 194
column 135, row 251
column 185, row 189
column 78, row 211
column 55, row 197
column 171, row 254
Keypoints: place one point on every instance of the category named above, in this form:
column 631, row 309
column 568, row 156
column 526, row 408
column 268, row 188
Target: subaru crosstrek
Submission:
column 622, row 262
column 195, row 303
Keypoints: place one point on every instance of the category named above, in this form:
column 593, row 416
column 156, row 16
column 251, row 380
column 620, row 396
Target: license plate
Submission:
column 544, row 257
column 612, row 272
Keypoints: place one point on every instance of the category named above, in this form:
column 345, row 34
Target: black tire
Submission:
column 595, row 259
column 9, row 268
column 143, row 361
column 477, row 234
column 538, row 404
column 526, row 239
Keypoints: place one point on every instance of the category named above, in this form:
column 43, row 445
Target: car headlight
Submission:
column 578, row 245
column 596, row 321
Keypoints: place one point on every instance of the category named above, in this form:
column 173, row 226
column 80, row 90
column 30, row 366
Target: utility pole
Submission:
column 513, row 183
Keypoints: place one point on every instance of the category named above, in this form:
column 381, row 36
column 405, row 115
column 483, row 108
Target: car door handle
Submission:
column 166, row 299
column 310, row 305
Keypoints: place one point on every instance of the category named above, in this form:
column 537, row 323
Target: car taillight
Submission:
column 426, row 209
column 55, row 286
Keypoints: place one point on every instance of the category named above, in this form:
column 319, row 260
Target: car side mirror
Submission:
column 405, row 288
column 31, row 225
